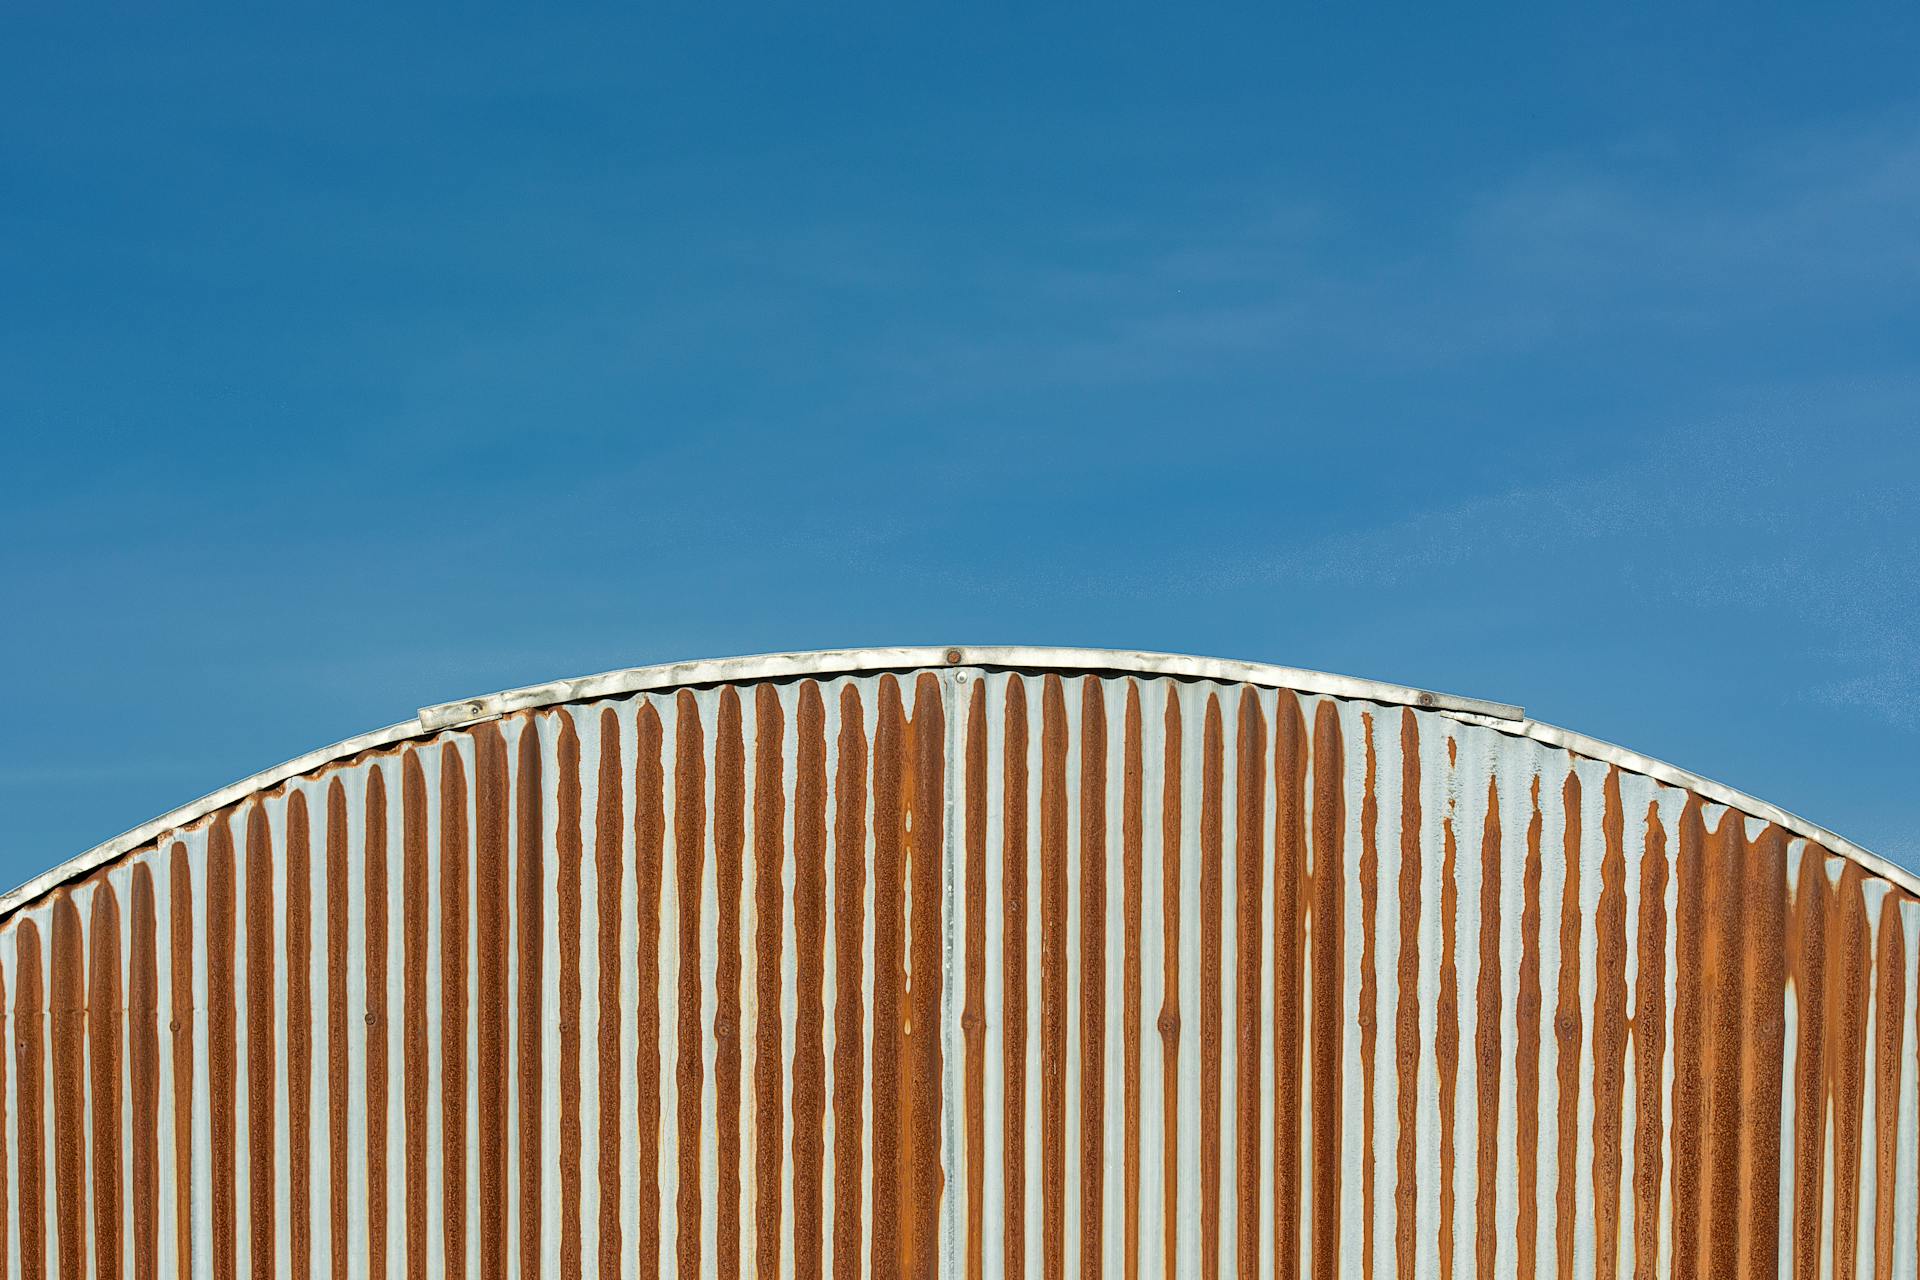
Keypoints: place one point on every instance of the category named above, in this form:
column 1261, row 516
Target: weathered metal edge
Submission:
column 1503, row 717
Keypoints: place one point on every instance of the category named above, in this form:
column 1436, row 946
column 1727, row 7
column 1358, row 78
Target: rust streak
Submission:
column 222, row 1061
column 1609, row 1030
column 729, row 841
column 690, row 852
column 569, row 857
column 1763, row 1044
column 1688, row 1096
column 143, row 1065
column 103, row 1056
column 68, row 1005
column 1170, row 844
column 769, row 857
column 1014, row 890
column 1132, row 824
column 849, row 937
column 339, row 1087
column 29, row 1075
column 1329, row 980
column 1290, row 876
column 1726, row 907
column 375, row 891
column 925, row 1182
column 1093, row 972
column 414, row 897
column 1446, row 1031
column 6, row 1202
column 649, row 848
column 530, row 931
column 1807, row 957
column 809, row 935
column 1211, row 890
column 1407, row 1017
column 890, row 801
column 299, row 1035
column 492, row 882
column 1487, row 1054
column 1053, row 977
column 973, row 1019
column 1569, row 1030
column 1250, row 796
column 1650, row 1047
column 454, row 853
column 609, row 870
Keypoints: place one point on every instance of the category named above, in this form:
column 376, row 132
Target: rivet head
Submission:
column 953, row 657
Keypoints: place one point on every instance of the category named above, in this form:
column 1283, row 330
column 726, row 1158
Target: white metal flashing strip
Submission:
column 786, row 666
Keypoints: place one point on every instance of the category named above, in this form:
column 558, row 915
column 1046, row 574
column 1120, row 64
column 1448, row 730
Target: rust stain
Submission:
column 649, row 850
column 1250, row 796
column 690, row 852
column 1093, row 972
column 849, row 935
column 1212, row 767
column 1486, row 1045
column 262, row 1046
column 1446, row 1031
column 455, row 848
column 568, row 856
column 1053, row 978
column 1370, row 982
column 1890, row 1000
column 890, row 800
column 530, row 928
column 68, row 1015
column 925, row 1185
column 222, row 1061
column 1689, row 1040
column 609, row 870
column 29, row 1075
column 1609, row 1030
column 1763, row 1044
column 729, row 841
column 1527, row 1010
column 1650, row 1046
column 973, row 1019
column 1170, row 842
column 1132, row 836
column 103, row 1056
column 1290, row 874
column 769, row 850
column 143, row 1066
column 492, row 882
column 1014, row 890
column 5, row 1191
column 374, row 891
column 1407, row 1016
column 299, row 1034
column 1569, row 1030
column 810, row 939
column 1329, row 980
column 414, row 896
column 1725, row 998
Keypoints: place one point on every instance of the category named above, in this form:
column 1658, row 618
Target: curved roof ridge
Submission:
column 832, row 662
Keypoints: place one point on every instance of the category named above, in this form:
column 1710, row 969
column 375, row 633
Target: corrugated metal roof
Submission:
column 970, row 966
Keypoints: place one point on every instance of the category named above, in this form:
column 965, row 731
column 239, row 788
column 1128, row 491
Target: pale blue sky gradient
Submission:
column 350, row 363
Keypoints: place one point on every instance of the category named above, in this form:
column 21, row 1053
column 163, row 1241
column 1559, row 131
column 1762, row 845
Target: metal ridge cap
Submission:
column 187, row 814
column 774, row 666
column 1718, row 792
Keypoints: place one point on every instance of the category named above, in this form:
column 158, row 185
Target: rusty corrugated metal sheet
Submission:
column 967, row 971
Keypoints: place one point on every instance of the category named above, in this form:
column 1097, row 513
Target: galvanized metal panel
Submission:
column 1025, row 963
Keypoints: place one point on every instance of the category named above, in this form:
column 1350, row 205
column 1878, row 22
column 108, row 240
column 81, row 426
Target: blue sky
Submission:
column 353, row 364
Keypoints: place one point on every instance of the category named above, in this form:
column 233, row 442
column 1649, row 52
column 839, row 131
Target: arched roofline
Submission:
column 1034, row 658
